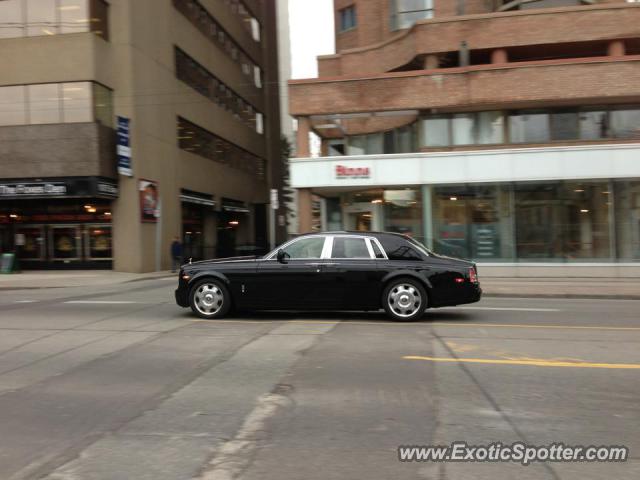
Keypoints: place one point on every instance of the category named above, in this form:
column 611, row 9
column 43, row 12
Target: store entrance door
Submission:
column 363, row 217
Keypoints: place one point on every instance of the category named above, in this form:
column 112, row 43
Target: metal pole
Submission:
column 159, row 238
column 272, row 227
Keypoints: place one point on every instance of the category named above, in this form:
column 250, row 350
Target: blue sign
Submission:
column 124, row 147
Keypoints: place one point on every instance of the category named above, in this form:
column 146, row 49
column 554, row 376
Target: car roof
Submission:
column 358, row 233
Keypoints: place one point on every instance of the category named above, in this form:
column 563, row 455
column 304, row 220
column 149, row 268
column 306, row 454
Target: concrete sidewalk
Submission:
column 74, row 278
column 621, row 288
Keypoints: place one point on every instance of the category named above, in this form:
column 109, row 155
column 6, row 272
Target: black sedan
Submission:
column 331, row 271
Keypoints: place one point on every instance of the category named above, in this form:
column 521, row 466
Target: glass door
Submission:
column 33, row 249
column 98, row 244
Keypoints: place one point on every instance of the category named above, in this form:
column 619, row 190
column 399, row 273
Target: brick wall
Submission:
column 482, row 31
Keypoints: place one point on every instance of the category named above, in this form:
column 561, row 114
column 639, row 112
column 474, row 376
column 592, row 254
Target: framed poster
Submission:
column 149, row 201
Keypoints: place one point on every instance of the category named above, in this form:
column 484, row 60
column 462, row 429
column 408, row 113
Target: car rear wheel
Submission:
column 210, row 299
column 404, row 300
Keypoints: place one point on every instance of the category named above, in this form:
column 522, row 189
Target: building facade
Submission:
column 504, row 132
column 127, row 123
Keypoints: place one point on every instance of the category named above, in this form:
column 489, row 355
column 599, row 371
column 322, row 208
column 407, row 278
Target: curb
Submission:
column 583, row 296
column 159, row 277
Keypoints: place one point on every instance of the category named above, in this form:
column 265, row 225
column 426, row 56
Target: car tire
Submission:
column 405, row 299
column 210, row 299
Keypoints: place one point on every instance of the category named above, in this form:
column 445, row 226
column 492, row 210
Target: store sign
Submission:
column 149, row 201
column 124, row 147
column 107, row 189
column 33, row 190
column 349, row 173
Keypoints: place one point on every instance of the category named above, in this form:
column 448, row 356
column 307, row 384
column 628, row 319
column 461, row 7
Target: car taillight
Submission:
column 473, row 275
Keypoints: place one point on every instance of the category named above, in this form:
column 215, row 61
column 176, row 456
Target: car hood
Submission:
column 222, row 261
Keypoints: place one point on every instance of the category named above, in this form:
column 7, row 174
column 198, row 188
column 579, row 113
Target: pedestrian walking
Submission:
column 176, row 254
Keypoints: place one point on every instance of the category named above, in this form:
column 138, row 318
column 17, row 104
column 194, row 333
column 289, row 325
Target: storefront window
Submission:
column 403, row 212
column 99, row 242
column 627, row 215
column 562, row 221
column 529, row 127
column 65, row 242
column 467, row 223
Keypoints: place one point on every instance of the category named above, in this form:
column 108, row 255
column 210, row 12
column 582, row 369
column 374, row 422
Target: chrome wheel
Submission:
column 404, row 300
column 208, row 299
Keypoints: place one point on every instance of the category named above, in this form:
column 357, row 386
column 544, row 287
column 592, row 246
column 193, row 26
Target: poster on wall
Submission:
column 149, row 201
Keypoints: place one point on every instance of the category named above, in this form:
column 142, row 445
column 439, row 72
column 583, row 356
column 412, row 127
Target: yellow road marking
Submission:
column 529, row 362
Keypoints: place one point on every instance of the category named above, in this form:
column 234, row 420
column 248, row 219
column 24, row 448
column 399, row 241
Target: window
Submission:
column 436, row 132
column 204, row 82
column 376, row 250
column 625, row 123
column 310, row 247
column 50, row 17
column 564, row 125
column 103, row 104
column 404, row 13
column 348, row 18
column 76, row 101
column 74, row 16
column 398, row 248
column 593, row 125
column 349, row 247
column 490, row 128
column 200, row 18
column 12, row 106
column 529, row 127
column 462, row 128
column 201, row 142
column 11, row 13
column 44, row 103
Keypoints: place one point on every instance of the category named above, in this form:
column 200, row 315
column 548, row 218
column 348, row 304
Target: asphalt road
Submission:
column 118, row 383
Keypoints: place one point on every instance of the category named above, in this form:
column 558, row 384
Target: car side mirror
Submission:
column 282, row 256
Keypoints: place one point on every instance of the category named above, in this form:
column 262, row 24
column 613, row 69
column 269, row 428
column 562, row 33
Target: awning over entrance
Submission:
column 189, row 196
column 72, row 187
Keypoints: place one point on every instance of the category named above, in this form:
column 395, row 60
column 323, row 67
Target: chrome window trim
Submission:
column 377, row 242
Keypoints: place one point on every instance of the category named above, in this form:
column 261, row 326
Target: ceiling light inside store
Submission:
column 378, row 200
column 584, row 210
column 453, row 199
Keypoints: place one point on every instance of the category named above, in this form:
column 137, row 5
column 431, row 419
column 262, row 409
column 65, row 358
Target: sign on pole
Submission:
column 124, row 147
column 275, row 204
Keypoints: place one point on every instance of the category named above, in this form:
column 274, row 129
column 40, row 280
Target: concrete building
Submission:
column 182, row 95
column 506, row 132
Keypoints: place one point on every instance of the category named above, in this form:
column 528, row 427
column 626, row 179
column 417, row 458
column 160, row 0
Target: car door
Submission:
column 350, row 274
column 293, row 283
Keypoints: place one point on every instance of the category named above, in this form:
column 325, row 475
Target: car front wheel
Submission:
column 210, row 299
column 404, row 300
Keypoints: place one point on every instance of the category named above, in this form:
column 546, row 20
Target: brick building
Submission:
column 190, row 87
column 503, row 131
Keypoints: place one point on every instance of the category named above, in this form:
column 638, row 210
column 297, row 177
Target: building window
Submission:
column 625, row 123
column 197, row 140
column 249, row 22
column 200, row 18
column 348, row 18
column 51, row 17
column 404, row 13
column 204, row 82
column 73, row 102
column 529, row 127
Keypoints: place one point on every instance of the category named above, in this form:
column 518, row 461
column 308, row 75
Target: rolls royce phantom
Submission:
column 331, row 271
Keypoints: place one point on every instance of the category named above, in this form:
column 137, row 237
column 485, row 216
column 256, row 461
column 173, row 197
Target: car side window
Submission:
column 310, row 247
column 346, row 247
column 399, row 249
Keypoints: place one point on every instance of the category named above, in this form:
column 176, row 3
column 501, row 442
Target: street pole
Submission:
column 275, row 204
column 159, row 236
